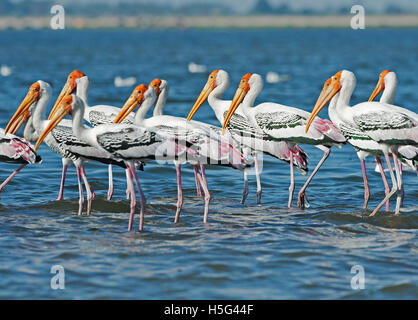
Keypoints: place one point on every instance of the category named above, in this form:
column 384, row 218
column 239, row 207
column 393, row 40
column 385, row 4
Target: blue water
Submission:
column 245, row 251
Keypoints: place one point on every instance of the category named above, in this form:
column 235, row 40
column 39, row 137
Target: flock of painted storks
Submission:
column 115, row 136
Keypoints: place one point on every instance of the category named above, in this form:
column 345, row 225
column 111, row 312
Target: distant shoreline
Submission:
column 204, row 22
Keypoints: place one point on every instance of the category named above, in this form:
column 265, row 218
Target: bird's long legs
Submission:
column 292, row 182
column 245, row 190
column 203, row 182
column 366, row 184
column 11, row 176
column 301, row 196
column 64, row 172
column 80, row 190
column 130, row 192
column 110, row 189
column 385, row 181
column 394, row 186
column 399, row 197
column 257, row 176
column 179, row 194
column 198, row 191
column 141, row 195
column 89, row 190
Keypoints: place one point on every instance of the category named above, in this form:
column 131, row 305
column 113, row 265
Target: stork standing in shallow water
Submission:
column 251, row 140
column 390, row 126
column 283, row 123
column 60, row 140
column 388, row 83
column 205, row 139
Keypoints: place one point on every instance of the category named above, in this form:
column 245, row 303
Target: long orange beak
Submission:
column 68, row 89
column 18, row 122
column 61, row 111
column 127, row 108
column 200, row 100
column 134, row 100
column 330, row 89
column 20, row 115
column 236, row 101
column 379, row 88
column 207, row 89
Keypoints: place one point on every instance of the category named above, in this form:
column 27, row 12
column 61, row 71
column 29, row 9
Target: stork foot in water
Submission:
column 245, row 190
column 385, row 181
column 203, row 182
column 292, row 182
column 64, row 172
column 110, row 189
column 394, row 186
column 141, row 195
column 366, row 184
column 90, row 193
column 11, row 176
column 80, row 190
column 257, row 175
column 179, row 194
column 302, row 196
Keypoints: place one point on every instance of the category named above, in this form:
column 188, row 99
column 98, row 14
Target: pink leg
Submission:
column 394, row 187
column 11, row 176
column 366, row 184
column 130, row 189
column 292, row 182
column 89, row 190
column 203, row 182
column 110, row 189
column 257, row 176
column 142, row 197
column 385, row 181
column 80, row 190
column 179, row 194
column 245, row 190
column 61, row 192
column 198, row 191
column 301, row 197
column 399, row 196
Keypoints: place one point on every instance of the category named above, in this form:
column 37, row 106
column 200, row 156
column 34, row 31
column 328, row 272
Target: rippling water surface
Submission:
column 245, row 251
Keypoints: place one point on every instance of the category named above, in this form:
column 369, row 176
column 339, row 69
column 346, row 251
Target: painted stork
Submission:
column 390, row 126
column 283, row 123
column 251, row 140
column 60, row 140
column 197, row 135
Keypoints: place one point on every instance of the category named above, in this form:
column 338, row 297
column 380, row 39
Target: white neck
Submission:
column 215, row 97
column 79, row 129
column 29, row 132
column 159, row 105
column 39, row 111
column 388, row 95
column 143, row 109
column 83, row 90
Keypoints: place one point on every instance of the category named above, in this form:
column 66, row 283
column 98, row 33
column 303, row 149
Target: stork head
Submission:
column 380, row 83
column 135, row 100
column 250, row 81
column 216, row 77
column 63, row 109
column 331, row 87
column 69, row 88
column 24, row 111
